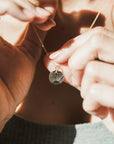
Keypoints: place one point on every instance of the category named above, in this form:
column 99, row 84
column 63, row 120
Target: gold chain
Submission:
column 43, row 46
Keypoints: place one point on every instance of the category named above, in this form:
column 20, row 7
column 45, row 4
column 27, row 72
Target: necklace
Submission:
column 56, row 77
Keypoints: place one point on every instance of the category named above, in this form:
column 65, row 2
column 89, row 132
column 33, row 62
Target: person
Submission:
column 24, row 11
column 58, row 108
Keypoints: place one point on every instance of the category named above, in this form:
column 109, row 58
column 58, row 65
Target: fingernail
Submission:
column 42, row 13
column 54, row 55
column 50, row 9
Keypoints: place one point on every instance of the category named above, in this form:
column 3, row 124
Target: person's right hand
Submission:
column 87, row 61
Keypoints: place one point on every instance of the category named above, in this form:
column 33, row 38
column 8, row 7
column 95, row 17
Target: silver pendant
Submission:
column 56, row 77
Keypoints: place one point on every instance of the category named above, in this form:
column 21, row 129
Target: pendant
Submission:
column 56, row 77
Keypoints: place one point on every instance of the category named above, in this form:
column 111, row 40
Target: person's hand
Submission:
column 87, row 61
column 28, row 10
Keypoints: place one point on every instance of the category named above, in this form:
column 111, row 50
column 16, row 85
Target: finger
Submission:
column 50, row 9
column 14, row 10
column 39, row 13
column 103, row 94
column 18, row 13
column 3, row 7
column 97, row 72
column 52, row 65
column 47, row 25
column 35, row 2
column 91, row 106
column 77, row 77
column 42, row 15
column 100, row 47
column 26, row 5
column 63, row 54
column 49, row 5
column 109, row 122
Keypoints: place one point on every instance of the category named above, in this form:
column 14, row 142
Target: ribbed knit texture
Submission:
column 19, row 131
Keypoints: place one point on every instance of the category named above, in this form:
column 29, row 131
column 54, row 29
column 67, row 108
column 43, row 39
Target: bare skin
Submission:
column 61, row 104
column 80, row 65
column 49, row 104
column 18, row 62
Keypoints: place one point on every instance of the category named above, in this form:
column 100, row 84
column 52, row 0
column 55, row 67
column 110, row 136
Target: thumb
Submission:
column 49, row 5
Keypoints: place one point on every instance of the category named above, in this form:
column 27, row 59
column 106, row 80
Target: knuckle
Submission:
column 68, row 43
column 98, row 36
column 10, row 4
column 99, row 30
column 71, row 64
column 90, row 68
column 92, row 90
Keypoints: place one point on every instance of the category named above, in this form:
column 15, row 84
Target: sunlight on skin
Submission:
column 19, row 107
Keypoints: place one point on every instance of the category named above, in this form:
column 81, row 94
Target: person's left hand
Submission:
column 37, row 11
column 87, row 61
